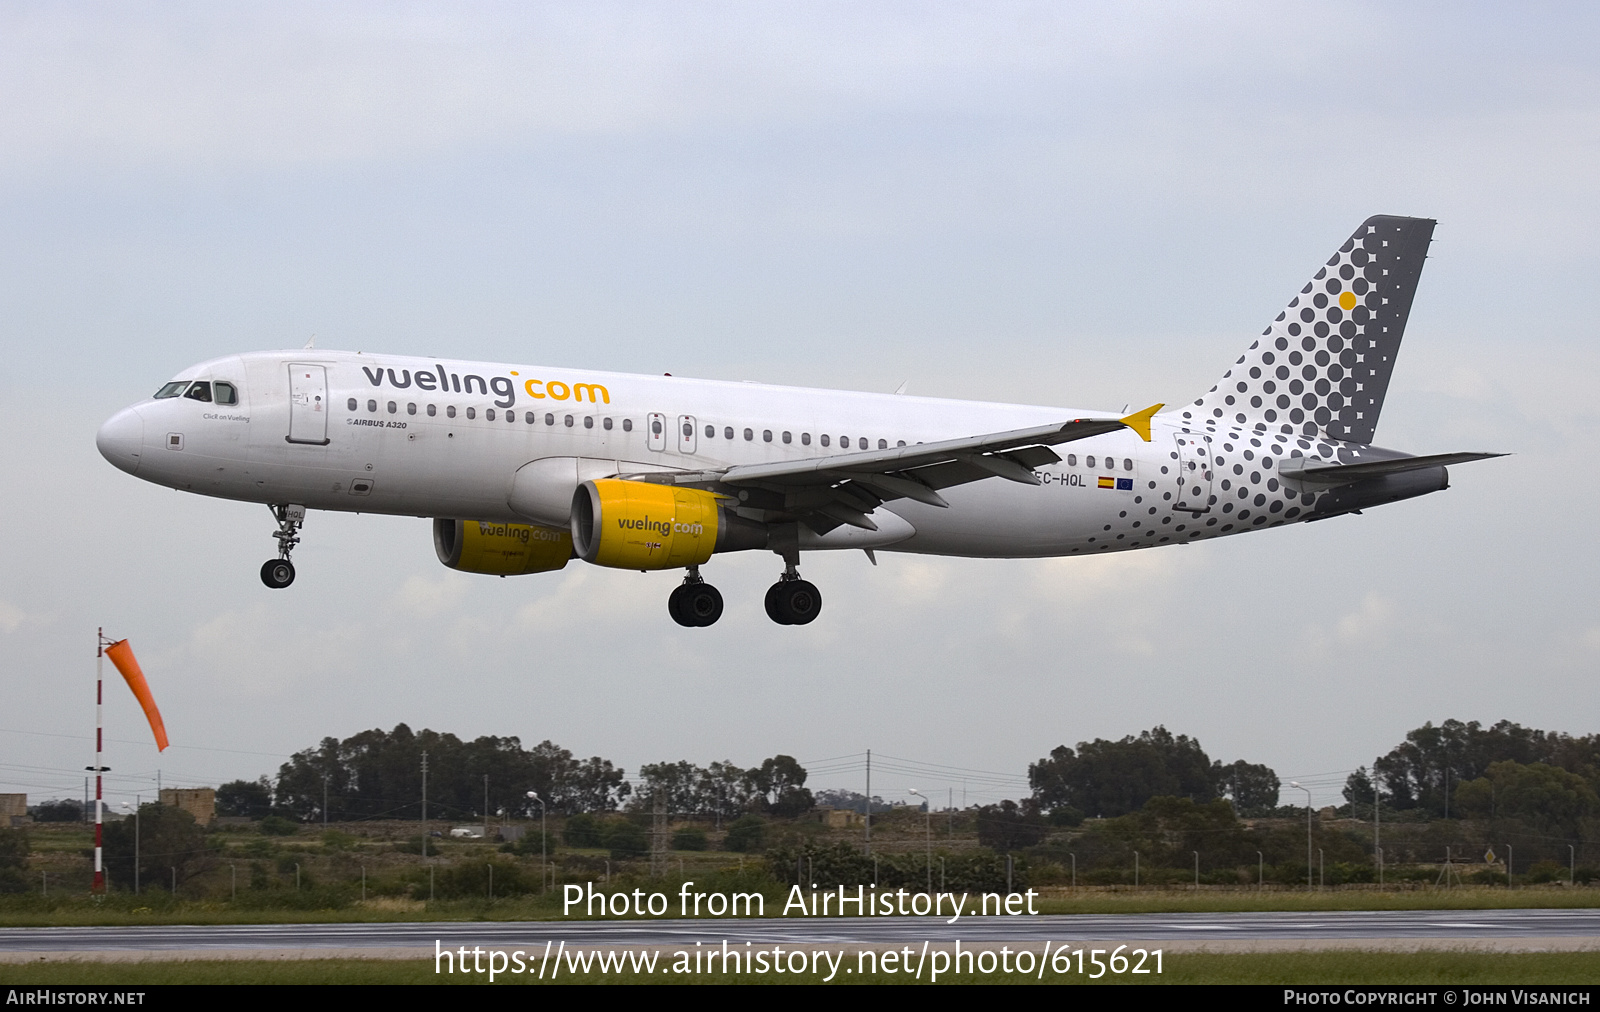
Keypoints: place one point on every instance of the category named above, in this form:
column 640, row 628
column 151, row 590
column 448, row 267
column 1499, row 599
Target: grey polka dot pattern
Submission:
column 1322, row 369
column 1311, row 387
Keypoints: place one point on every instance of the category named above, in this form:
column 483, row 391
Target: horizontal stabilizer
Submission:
column 1339, row 474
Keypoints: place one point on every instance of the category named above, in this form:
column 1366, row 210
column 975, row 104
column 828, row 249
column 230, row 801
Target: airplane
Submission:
column 525, row 467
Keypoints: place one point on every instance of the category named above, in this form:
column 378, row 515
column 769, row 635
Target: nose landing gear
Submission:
column 793, row 601
column 279, row 573
column 695, row 602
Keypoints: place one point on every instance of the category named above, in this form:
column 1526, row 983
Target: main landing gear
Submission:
column 279, row 573
column 695, row 602
column 793, row 601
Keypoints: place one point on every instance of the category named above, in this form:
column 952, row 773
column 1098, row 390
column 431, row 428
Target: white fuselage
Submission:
column 432, row 438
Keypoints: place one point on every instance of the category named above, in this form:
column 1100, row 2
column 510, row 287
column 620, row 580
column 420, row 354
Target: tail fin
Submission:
column 1323, row 366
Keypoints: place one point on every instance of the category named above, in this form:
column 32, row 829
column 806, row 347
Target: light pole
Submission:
column 544, row 867
column 1295, row 783
column 929, row 813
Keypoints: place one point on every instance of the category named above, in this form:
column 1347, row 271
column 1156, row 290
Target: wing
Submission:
column 824, row 492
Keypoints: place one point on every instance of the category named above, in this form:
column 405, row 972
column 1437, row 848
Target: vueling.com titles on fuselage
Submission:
column 503, row 387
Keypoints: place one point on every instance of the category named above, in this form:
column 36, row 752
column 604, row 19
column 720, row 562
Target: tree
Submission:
column 1546, row 797
column 1009, row 826
column 626, row 838
column 1111, row 778
column 167, row 838
column 13, row 860
column 1423, row 771
column 746, row 834
column 55, row 810
column 245, row 799
column 1252, row 787
column 780, row 781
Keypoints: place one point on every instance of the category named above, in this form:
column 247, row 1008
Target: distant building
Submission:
column 200, row 802
column 14, row 810
column 467, row 832
column 835, row 818
column 511, row 834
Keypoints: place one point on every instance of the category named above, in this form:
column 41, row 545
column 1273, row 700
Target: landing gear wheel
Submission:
column 675, row 606
column 701, row 603
column 773, row 611
column 794, row 602
column 277, row 573
column 695, row 605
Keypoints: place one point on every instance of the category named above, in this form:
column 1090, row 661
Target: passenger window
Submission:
column 393, row 407
column 824, row 439
column 569, row 421
column 171, row 390
column 883, row 444
column 450, row 411
column 588, row 421
column 727, row 433
column 787, row 438
column 844, row 442
column 1089, row 460
column 411, row 408
column 655, row 428
column 606, row 424
column 200, row 391
column 433, row 410
column 225, row 393
column 488, row 414
column 749, row 435
column 1072, row 460
column 472, row 413
column 711, row 432
column 627, row 425
column 900, row 443
column 549, row 419
column 766, row 435
column 372, row 405
column 805, row 439
column 352, row 404
column 1127, row 464
column 530, row 417
column 688, row 430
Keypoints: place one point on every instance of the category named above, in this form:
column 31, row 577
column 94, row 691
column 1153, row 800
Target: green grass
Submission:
column 1337, row 967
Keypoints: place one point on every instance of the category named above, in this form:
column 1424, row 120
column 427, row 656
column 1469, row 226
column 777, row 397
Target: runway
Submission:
column 1397, row 929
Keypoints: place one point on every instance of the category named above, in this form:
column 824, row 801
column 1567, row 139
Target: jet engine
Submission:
column 496, row 549
column 642, row 525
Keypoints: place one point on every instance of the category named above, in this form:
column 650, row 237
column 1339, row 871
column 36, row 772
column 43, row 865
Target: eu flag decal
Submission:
column 1124, row 484
column 1108, row 483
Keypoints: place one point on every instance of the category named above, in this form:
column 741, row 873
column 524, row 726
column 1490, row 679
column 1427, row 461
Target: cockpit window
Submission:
column 225, row 393
column 172, row 389
column 200, row 391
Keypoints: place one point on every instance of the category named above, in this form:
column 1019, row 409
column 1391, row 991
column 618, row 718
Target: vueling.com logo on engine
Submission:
column 662, row 527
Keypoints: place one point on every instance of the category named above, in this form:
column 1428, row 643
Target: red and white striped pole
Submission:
column 98, row 768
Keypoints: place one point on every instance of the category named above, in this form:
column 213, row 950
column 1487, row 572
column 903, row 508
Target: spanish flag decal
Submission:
column 1108, row 483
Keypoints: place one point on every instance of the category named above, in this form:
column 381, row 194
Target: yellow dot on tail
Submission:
column 1347, row 301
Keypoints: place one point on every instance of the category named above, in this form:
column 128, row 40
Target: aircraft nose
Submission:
column 121, row 439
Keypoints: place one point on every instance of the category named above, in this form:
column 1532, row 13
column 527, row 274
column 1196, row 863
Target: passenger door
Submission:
column 308, row 404
column 686, row 434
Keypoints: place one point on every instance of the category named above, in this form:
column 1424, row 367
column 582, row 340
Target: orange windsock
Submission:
column 122, row 656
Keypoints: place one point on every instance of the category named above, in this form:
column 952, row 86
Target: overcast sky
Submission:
column 1086, row 206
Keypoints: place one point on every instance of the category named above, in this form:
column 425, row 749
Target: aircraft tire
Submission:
column 701, row 603
column 798, row 601
column 675, row 606
column 773, row 611
column 277, row 573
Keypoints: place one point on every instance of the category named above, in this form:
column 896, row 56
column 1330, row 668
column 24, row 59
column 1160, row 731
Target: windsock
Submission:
column 122, row 656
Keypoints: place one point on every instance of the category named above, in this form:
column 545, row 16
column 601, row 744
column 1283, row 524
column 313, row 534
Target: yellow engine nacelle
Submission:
column 496, row 549
column 642, row 525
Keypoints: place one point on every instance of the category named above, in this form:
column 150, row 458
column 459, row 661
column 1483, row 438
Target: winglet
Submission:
column 1140, row 422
